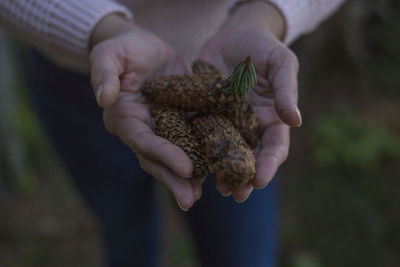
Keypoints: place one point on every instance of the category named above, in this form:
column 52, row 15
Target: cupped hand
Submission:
column 254, row 29
column 123, row 57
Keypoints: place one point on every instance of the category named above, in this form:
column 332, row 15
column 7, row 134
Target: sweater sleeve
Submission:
column 302, row 16
column 57, row 26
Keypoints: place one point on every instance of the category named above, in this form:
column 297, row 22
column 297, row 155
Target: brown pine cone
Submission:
column 171, row 125
column 200, row 66
column 227, row 154
column 187, row 92
column 239, row 112
column 244, row 119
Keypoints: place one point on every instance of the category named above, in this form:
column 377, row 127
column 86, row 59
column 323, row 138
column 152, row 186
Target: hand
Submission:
column 123, row 57
column 254, row 29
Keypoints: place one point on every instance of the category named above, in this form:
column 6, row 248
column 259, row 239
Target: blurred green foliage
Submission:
column 340, row 186
column 183, row 252
column 305, row 260
column 37, row 152
column 341, row 204
column 382, row 39
column 32, row 139
column 344, row 139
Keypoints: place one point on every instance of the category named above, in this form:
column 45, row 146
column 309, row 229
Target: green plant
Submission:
column 344, row 139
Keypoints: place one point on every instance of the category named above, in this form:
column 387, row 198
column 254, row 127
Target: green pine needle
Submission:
column 241, row 81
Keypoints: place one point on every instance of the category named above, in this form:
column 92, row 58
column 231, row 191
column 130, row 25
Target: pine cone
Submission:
column 203, row 67
column 171, row 125
column 188, row 92
column 244, row 119
column 239, row 112
column 227, row 154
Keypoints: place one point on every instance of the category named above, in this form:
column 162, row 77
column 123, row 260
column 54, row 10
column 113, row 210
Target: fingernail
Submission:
column 259, row 187
column 180, row 206
column 227, row 194
column 241, row 201
column 299, row 116
column 98, row 92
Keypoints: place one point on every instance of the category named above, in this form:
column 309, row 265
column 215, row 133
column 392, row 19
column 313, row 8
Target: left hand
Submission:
column 254, row 29
column 124, row 55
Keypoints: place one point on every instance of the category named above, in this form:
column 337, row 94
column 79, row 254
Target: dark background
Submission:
column 339, row 204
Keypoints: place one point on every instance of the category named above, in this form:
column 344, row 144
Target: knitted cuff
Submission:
column 301, row 16
column 298, row 17
column 70, row 23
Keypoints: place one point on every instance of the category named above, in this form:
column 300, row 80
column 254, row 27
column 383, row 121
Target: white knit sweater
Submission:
column 62, row 28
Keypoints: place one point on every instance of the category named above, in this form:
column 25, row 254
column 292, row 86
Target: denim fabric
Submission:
column 121, row 194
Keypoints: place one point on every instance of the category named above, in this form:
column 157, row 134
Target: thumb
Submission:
column 105, row 71
column 283, row 70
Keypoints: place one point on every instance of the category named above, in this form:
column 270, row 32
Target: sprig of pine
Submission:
column 241, row 81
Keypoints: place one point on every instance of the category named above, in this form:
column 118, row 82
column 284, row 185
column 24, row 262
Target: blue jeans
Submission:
column 122, row 196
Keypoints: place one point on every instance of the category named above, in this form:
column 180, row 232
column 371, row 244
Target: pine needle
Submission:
column 241, row 81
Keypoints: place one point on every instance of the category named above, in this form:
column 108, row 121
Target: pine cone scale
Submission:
column 226, row 152
column 171, row 125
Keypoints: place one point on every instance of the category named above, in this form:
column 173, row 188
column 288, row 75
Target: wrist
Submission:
column 258, row 14
column 108, row 27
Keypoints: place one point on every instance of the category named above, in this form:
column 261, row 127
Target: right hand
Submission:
column 255, row 28
column 123, row 57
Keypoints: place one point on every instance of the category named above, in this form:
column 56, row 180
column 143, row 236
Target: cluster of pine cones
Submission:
column 216, row 131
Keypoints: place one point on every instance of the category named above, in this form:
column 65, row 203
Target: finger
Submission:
column 241, row 194
column 140, row 138
column 106, row 68
column 183, row 189
column 197, row 188
column 283, row 69
column 177, row 66
column 223, row 189
column 274, row 151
